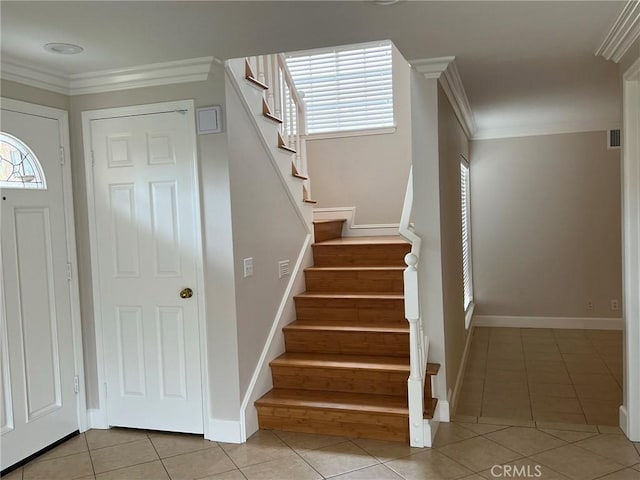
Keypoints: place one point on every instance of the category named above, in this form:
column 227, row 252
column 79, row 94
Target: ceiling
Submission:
column 525, row 65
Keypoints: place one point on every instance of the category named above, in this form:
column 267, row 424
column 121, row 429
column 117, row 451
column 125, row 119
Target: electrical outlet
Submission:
column 248, row 267
column 589, row 305
column 615, row 305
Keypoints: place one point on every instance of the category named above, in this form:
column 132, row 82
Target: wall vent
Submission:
column 283, row 268
column 613, row 138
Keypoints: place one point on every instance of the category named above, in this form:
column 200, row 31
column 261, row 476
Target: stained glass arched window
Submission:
column 19, row 167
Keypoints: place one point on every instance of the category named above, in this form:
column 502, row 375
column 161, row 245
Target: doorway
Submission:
column 147, row 267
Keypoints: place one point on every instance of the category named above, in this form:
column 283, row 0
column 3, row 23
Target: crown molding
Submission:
column 155, row 74
column 624, row 31
column 445, row 70
column 547, row 129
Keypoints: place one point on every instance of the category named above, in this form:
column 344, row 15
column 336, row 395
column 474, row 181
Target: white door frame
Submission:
column 62, row 117
column 630, row 410
column 98, row 418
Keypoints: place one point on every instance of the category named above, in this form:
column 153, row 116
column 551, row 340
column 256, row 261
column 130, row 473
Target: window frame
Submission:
column 34, row 163
column 465, row 212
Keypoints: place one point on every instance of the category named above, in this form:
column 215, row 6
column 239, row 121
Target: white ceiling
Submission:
column 525, row 65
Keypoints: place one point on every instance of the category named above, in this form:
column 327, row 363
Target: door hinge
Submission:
column 69, row 271
column 76, row 384
column 61, row 155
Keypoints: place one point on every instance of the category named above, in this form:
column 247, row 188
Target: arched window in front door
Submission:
column 19, row 167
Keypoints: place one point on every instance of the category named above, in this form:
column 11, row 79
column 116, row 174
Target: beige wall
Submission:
column 25, row 93
column 452, row 143
column 546, row 225
column 369, row 171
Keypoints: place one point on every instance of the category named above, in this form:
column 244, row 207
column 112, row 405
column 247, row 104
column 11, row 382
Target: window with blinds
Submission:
column 466, row 234
column 345, row 88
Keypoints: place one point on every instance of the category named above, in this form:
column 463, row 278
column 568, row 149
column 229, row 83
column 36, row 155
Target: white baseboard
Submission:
column 351, row 229
column 463, row 365
column 430, row 430
column 97, row 418
column 228, row 431
column 587, row 323
column 624, row 420
column 442, row 413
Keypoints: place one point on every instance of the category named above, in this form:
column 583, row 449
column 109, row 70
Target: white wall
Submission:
column 545, row 214
column 367, row 171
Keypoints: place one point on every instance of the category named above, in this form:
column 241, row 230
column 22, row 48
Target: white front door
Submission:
column 146, row 246
column 37, row 371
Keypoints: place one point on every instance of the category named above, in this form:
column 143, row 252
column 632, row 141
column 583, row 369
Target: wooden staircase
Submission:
column 346, row 363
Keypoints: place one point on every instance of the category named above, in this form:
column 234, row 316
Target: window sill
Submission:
column 468, row 315
column 351, row 133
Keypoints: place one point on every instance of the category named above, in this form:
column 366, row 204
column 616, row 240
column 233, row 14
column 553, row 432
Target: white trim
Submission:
column 100, row 415
column 351, row 229
column 249, row 421
column 165, row 73
column 468, row 315
column 624, row 31
column 445, row 69
column 62, row 117
column 547, row 129
column 463, row 366
column 587, row 323
column 97, row 418
column 228, row 431
column 631, row 244
column 351, row 133
column 442, row 413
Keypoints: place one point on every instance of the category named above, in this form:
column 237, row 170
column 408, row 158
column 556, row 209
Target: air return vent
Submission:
column 283, row 268
column 613, row 138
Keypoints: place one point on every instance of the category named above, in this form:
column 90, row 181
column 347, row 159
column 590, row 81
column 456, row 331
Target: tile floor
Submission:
column 462, row 450
column 544, row 375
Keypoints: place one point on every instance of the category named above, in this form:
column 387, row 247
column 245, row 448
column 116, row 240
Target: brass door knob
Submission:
column 186, row 293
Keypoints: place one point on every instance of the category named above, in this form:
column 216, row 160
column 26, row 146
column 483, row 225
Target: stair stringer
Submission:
column 268, row 130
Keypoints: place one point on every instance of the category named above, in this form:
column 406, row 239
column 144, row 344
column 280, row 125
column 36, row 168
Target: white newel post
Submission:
column 416, row 381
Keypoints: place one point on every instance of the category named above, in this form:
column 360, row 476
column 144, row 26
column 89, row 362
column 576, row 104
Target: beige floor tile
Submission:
column 526, row 441
column 515, row 365
column 610, row 429
column 543, row 404
column 519, row 412
column 575, row 346
column 597, row 392
column 593, row 366
column 537, row 332
column 307, row 441
column 560, row 390
column 474, row 371
column 613, row 446
column 124, row 455
column 375, row 472
column 576, row 463
column 198, row 464
column 291, row 467
column 469, row 409
column 545, row 366
column 478, row 453
column 428, row 464
column 637, row 467
column 549, row 356
column 505, row 377
column 385, row 451
column 339, row 458
column 546, row 346
column 559, row 417
column 14, row 475
column 496, row 332
column 172, row 444
column 511, row 422
column 524, row 468
column 146, row 471
column 473, row 476
column 557, row 376
column 231, row 475
column 605, row 381
column 570, row 427
column 451, row 432
column 482, row 428
column 464, row 418
column 567, row 435
column 626, row 474
column 63, row 468
column 498, row 396
column 263, row 446
column 77, row 444
column 113, row 436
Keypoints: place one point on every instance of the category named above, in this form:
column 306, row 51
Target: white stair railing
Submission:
column 285, row 103
column 418, row 342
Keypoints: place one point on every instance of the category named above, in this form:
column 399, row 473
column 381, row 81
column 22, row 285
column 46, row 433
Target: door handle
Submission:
column 186, row 293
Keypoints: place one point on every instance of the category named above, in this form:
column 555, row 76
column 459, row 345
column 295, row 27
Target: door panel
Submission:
column 36, row 350
column 144, row 194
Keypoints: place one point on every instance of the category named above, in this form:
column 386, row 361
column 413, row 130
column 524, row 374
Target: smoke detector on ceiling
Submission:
column 63, row 48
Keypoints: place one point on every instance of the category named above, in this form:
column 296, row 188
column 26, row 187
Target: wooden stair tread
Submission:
column 347, row 328
column 301, row 177
column 381, row 240
column 433, row 369
column 337, row 361
column 352, row 295
column 336, row 401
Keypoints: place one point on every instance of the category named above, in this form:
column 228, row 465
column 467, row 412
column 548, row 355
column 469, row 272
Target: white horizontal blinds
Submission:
column 346, row 88
column 466, row 234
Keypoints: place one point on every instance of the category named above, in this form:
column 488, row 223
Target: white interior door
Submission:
column 145, row 191
column 37, row 370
